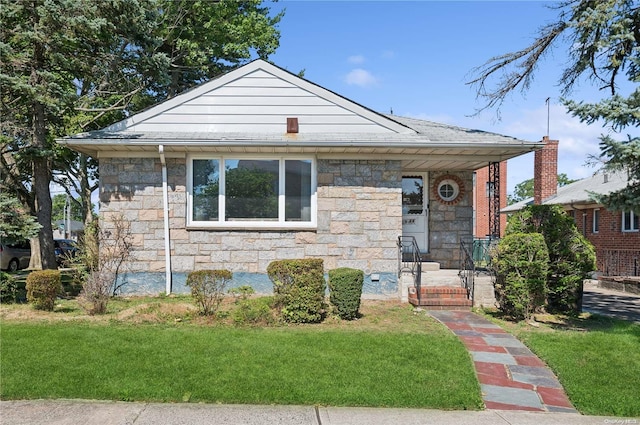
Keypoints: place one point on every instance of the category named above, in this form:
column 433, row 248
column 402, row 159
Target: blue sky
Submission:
column 415, row 57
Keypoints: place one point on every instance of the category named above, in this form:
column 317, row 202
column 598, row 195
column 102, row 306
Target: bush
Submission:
column 242, row 292
column 207, row 287
column 43, row 286
column 102, row 261
column 95, row 293
column 254, row 311
column 299, row 289
column 8, row 288
column 521, row 264
column 345, row 286
column 571, row 256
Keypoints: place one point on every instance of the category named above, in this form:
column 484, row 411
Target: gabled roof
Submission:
column 578, row 194
column 259, row 93
column 246, row 110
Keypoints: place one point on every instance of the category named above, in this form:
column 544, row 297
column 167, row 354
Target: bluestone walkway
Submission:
column 511, row 376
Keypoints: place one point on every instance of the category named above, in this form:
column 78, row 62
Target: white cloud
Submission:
column 356, row 59
column 577, row 140
column 360, row 77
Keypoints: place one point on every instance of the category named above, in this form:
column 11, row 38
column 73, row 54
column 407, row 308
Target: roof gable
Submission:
column 258, row 98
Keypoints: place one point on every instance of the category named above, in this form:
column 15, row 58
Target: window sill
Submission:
column 244, row 226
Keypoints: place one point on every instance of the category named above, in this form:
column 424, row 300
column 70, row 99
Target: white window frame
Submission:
column 631, row 226
column 278, row 224
column 595, row 221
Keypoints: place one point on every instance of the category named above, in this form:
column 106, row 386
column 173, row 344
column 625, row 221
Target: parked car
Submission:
column 14, row 257
column 65, row 250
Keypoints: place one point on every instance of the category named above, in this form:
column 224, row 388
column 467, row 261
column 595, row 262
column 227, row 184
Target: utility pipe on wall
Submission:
column 165, row 214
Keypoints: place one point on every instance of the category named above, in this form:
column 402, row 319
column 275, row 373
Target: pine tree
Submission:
column 603, row 39
column 78, row 65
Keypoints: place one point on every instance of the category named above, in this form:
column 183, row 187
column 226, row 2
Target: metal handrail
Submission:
column 410, row 260
column 467, row 270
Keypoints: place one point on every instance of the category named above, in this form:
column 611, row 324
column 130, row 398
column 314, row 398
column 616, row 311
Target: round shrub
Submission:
column 345, row 286
column 208, row 288
column 43, row 286
column 299, row 288
column 521, row 263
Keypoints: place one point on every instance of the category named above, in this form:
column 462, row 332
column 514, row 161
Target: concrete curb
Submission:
column 88, row 412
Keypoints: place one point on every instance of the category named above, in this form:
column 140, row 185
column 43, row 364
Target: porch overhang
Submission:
column 414, row 152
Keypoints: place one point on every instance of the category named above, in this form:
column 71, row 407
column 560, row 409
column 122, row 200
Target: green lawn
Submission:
column 597, row 360
column 304, row 365
column 156, row 349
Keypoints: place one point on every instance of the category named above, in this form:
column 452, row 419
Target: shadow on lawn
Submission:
column 584, row 322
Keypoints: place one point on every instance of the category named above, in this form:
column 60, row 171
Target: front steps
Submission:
column 440, row 298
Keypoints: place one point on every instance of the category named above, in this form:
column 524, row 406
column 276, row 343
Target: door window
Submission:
column 412, row 195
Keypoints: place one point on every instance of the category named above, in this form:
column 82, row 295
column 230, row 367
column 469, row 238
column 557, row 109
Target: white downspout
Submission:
column 165, row 214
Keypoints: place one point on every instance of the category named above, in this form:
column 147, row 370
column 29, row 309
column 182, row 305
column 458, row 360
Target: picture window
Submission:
column 251, row 192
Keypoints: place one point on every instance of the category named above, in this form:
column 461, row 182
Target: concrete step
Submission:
column 430, row 266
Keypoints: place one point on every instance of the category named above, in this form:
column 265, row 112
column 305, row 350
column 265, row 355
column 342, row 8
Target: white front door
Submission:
column 415, row 209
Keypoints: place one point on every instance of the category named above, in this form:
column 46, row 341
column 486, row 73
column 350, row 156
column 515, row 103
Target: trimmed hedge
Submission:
column 43, row 286
column 345, row 286
column 299, row 289
column 207, row 288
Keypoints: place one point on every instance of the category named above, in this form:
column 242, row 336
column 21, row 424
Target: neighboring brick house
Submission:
column 481, row 199
column 614, row 234
column 260, row 165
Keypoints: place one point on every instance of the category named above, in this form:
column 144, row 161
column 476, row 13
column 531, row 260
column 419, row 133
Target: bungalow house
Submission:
column 259, row 165
column 615, row 235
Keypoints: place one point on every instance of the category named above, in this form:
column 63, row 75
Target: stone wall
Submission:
column 359, row 219
column 630, row 284
column 360, row 213
column 450, row 223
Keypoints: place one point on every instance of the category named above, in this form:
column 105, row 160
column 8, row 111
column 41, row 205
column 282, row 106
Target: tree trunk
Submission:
column 41, row 173
column 41, row 180
column 89, row 238
column 85, row 189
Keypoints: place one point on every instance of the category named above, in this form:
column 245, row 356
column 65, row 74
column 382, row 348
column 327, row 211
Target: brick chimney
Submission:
column 545, row 171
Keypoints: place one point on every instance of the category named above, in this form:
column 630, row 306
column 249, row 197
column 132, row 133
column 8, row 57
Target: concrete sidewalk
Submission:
column 82, row 412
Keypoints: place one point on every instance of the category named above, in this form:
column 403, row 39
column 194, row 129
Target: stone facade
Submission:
column 450, row 223
column 359, row 220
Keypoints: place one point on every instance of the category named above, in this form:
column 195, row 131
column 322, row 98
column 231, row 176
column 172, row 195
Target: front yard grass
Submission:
column 155, row 350
column 597, row 359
